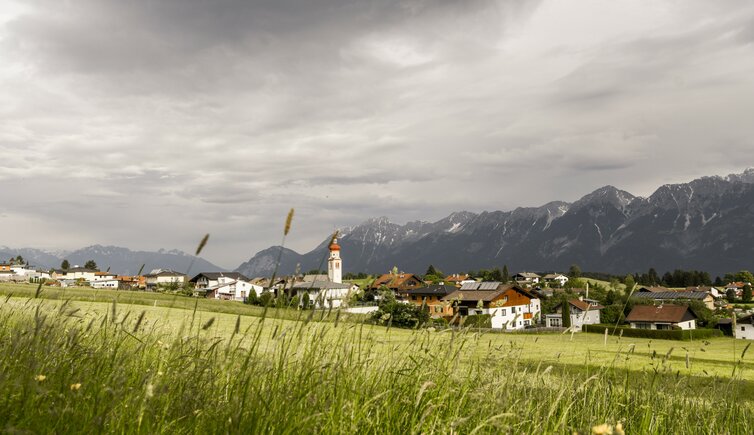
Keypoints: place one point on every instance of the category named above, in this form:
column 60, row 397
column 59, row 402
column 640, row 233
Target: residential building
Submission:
column 229, row 288
column 431, row 297
column 526, row 278
column 509, row 305
column 80, row 273
column 212, row 279
column 583, row 312
column 160, row 277
column 105, row 283
column 666, row 316
column 397, row 282
column 555, row 279
column 714, row 291
column 745, row 327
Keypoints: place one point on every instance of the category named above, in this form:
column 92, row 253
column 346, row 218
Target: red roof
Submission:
column 661, row 313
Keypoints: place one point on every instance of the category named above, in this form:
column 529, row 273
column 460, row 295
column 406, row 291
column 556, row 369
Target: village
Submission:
column 525, row 301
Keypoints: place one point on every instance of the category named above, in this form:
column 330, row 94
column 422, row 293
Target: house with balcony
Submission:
column 509, row 305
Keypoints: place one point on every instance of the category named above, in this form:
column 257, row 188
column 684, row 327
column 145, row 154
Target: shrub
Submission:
column 478, row 321
column 400, row 315
column 673, row 334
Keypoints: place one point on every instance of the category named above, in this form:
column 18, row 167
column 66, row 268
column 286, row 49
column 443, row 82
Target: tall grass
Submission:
column 63, row 370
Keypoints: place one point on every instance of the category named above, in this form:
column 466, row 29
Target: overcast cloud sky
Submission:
column 146, row 124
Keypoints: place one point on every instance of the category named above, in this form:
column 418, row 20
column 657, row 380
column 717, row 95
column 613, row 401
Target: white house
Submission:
column 212, row 279
column 160, row 277
column 105, row 283
column 555, row 278
column 509, row 306
column 77, row 273
column 526, row 278
column 665, row 316
column 745, row 327
column 583, row 312
column 230, row 289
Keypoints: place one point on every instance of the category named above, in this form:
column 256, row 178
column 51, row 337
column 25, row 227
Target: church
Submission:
column 330, row 293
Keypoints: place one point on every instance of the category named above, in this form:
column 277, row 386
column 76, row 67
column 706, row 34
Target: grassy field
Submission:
column 164, row 364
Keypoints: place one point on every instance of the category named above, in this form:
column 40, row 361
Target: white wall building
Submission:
column 582, row 313
column 231, row 289
column 665, row 316
column 104, row 283
column 745, row 328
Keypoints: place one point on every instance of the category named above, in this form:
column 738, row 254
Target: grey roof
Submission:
column 671, row 295
column 320, row 285
column 438, row 289
column 216, row 275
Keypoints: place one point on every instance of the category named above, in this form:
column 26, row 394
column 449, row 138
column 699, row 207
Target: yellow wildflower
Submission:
column 40, row 378
column 75, row 387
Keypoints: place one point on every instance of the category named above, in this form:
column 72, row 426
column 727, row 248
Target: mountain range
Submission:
column 119, row 260
column 706, row 224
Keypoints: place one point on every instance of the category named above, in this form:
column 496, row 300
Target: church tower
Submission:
column 334, row 263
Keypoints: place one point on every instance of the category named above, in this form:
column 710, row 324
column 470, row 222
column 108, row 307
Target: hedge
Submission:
column 672, row 334
column 478, row 321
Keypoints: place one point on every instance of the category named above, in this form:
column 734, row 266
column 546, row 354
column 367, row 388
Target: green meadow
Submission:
column 80, row 360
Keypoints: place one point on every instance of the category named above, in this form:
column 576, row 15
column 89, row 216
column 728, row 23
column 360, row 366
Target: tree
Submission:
column 432, row 271
column 744, row 276
column 566, row 313
column 746, row 296
column 630, row 283
column 90, row 265
column 730, row 295
column 574, row 271
column 252, row 299
column 506, row 274
column 610, row 297
column 305, row 301
column 65, row 265
column 652, row 276
column 20, row 260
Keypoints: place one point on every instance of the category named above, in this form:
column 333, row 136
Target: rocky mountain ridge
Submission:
column 705, row 224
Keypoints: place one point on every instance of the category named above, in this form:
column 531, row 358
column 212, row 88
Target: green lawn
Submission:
column 162, row 363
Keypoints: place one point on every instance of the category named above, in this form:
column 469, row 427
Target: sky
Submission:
column 146, row 124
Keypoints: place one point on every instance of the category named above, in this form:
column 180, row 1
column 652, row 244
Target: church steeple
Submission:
column 334, row 263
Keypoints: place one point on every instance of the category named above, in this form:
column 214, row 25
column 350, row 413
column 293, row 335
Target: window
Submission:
column 554, row 322
column 743, row 328
column 643, row 326
column 502, row 312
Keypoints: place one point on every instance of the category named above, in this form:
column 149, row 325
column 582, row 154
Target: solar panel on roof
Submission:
column 489, row 285
column 470, row 286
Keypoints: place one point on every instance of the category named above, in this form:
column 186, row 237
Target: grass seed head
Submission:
column 288, row 223
column 202, row 244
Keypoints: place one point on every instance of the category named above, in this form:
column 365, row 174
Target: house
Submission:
column 104, row 275
column 583, row 312
column 325, row 294
column 526, row 278
column 671, row 296
column 509, row 305
column 80, row 273
column 160, row 277
column 129, row 282
column 431, row 297
column 714, row 291
column 745, row 327
column 737, row 287
column 555, row 278
column 458, row 279
column 397, row 282
column 229, row 288
column 105, row 283
column 652, row 289
column 212, row 279
column 5, row 267
column 666, row 316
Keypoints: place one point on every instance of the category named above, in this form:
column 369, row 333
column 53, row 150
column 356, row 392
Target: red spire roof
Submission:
column 334, row 245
